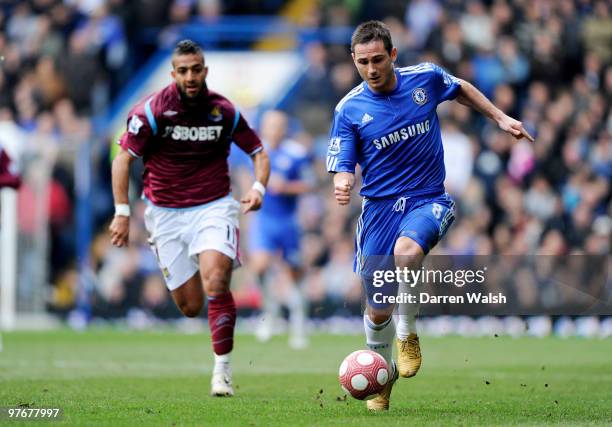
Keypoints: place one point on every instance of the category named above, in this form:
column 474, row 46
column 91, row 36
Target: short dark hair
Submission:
column 369, row 31
column 187, row 47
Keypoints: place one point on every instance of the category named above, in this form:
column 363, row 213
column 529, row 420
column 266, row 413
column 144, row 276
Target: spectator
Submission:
column 544, row 61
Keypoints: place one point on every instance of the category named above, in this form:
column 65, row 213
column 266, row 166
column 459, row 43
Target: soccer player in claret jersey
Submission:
column 274, row 238
column 183, row 135
column 388, row 124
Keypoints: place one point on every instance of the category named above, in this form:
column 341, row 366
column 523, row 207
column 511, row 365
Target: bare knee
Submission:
column 216, row 272
column 189, row 297
column 216, row 282
column 405, row 246
column 408, row 253
column 190, row 308
column 379, row 316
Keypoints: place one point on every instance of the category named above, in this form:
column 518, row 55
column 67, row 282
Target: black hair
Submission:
column 187, row 47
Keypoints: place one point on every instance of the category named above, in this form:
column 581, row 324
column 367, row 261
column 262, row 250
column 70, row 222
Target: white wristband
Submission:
column 122, row 210
column 259, row 187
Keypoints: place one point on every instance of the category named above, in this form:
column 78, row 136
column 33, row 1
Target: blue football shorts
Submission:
column 276, row 235
column 424, row 219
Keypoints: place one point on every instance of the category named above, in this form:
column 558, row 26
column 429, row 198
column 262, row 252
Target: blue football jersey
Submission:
column 394, row 137
column 291, row 162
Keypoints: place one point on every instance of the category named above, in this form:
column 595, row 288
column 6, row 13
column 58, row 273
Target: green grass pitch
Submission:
column 108, row 377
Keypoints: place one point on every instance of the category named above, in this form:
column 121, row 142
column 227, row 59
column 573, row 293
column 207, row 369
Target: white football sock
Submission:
column 407, row 313
column 297, row 311
column 270, row 305
column 221, row 361
column 380, row 337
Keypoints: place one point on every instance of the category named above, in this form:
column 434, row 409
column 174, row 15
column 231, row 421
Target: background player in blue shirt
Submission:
column 275, row 234
column 389, row 126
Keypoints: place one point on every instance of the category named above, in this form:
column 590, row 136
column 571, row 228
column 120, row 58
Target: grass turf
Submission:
column 107, row 377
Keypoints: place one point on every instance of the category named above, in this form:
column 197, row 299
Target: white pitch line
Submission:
column 60, row 368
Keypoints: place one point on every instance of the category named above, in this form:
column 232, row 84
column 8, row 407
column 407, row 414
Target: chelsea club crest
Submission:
column 419, row 96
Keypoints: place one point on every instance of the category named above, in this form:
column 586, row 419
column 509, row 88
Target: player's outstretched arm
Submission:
column 253, row 198
column 343, row 184
column 120, row 226
column 472, row 97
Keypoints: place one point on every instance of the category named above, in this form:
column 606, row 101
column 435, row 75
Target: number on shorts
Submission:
column 231, row 234
column 436, row 210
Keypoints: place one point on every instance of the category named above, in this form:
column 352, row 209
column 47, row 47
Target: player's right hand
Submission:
column 342, row 191
column 251, row 201
column 120, row 230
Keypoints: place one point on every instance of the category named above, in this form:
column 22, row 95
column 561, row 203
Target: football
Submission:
column 363, row 374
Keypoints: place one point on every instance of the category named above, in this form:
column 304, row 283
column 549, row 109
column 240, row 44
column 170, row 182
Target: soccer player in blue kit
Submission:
column 389, row 126
column 274, row 235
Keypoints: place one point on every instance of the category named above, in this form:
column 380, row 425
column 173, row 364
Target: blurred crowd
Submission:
column 545, row 62
column 61, row 65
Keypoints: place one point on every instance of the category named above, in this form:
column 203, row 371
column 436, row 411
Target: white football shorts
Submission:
column 178, row 235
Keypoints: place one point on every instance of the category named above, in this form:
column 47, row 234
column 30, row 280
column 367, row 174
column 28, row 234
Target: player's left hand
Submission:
column 514, row 128
column 251, row 201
